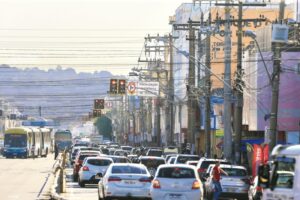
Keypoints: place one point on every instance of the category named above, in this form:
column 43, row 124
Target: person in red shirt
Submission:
column 217, row 171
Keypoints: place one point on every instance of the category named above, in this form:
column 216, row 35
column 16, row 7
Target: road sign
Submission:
column 148, row 89
column 131, row 88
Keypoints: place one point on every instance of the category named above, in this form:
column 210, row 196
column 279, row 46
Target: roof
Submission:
column 151, row 157
column 177, row 165
column 286, row 150
column 18, row 130
column 232, row 166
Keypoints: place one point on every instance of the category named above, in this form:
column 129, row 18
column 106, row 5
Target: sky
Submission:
column 88, row 35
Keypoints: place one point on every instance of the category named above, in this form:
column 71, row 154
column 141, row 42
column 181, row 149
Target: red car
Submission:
column 79, row 159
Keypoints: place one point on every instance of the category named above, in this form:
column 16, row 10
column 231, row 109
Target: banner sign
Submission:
column 148, row 89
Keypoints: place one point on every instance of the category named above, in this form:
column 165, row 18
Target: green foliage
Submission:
column 104, row 126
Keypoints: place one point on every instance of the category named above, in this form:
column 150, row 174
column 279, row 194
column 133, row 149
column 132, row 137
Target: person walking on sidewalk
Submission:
column 217, row 171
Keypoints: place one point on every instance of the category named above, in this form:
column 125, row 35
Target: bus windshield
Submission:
column 15, row 140
column 63, row 136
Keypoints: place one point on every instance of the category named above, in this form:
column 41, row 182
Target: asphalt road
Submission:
column 24, row 179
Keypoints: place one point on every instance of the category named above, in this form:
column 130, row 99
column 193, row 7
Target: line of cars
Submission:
column 150, row 174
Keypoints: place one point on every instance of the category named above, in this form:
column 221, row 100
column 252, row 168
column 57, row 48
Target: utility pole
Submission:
column 238, row 111
column 171, row 91
column 191, row 86
column 227, row 148
column 207, row 94
column 275, row 83
column 40, row 111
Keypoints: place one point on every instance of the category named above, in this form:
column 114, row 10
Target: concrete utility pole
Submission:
column 227, row 89
column 171, row 91
column 238, row 111
column 275, row 83
column 208, row 93
column 191, row 27
column 191, row 86
column 238, row 108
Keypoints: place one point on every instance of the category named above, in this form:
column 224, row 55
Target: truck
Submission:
column 280, row 178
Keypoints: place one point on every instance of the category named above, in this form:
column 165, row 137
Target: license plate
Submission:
column 129, row 182
column 175, row 196
column 230, row 190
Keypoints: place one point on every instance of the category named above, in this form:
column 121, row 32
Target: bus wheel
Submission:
column 46, row 153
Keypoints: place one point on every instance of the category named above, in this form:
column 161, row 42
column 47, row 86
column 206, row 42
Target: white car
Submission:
column 125, row 180
column 91, row 167
column 177, row 181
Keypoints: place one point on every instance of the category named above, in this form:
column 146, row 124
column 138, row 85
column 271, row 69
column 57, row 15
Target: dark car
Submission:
column 152, row 163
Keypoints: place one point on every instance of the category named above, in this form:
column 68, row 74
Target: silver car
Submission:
column 91, row 167
column 235, row 185
column 125, row 180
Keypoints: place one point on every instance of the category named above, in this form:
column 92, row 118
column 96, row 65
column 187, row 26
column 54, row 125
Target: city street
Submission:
column 24, row 179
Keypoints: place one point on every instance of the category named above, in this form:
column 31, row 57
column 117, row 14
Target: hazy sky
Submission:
column 87, row 34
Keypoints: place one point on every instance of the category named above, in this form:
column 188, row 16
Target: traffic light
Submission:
column 96, row 113
column 99, row 104
column 122, row 86
column 113, row 86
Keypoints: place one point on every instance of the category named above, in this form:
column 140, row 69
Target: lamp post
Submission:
column 251, row 34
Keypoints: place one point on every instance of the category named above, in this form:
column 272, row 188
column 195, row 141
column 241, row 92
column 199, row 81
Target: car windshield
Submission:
column 127, row 170
column 120, row 160
column 285, row 173
column 206, row 163
column 176, row 172
column 82, row 157
column 235, row 171
column 183, row 159
column 152, row 163
column 155, row 153
column 99, row 162
column 127, row 148
column 15, row 140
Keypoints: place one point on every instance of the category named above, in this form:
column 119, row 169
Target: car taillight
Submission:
column 246, row 180
column 201, row 170
column 145, row 180
column 196, row 185
column 259, row 189
column 85, row 168
column 114, row 179
column 156, row 184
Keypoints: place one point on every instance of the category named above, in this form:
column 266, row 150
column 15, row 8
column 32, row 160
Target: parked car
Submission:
column 204, row 163
column 125, row 180
column 183, row 158
column 79, row 159
column 152, row 163
column 178, row 181
column 235, row 185
column 91, row 167
column 255, row 191
column 119, row 159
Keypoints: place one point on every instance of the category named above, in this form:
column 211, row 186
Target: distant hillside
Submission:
column 61, row 93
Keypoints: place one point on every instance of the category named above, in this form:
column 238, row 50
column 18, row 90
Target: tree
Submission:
column 104, row 126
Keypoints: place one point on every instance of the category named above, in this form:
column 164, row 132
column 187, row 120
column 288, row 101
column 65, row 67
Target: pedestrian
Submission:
column 217, row 171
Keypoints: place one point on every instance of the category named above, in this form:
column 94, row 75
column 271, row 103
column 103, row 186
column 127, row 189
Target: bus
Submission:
column 63, row 140
column 46, row 142
column 18, row 142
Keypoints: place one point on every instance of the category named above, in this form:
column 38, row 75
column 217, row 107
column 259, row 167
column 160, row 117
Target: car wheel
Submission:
column 81, row 183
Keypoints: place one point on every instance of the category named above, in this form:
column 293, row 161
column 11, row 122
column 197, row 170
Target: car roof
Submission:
column 229, row 166
column 115, row 156
column 177, row 165
column 151, row 157
column 99, row 158
column 87, row 152
column 128, row 164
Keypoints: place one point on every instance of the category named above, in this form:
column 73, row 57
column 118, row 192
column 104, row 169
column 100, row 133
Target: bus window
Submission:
column 15, row 140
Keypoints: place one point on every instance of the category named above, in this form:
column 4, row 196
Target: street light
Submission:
column 252, row 34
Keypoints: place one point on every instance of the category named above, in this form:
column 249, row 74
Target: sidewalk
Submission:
column 74, row 192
